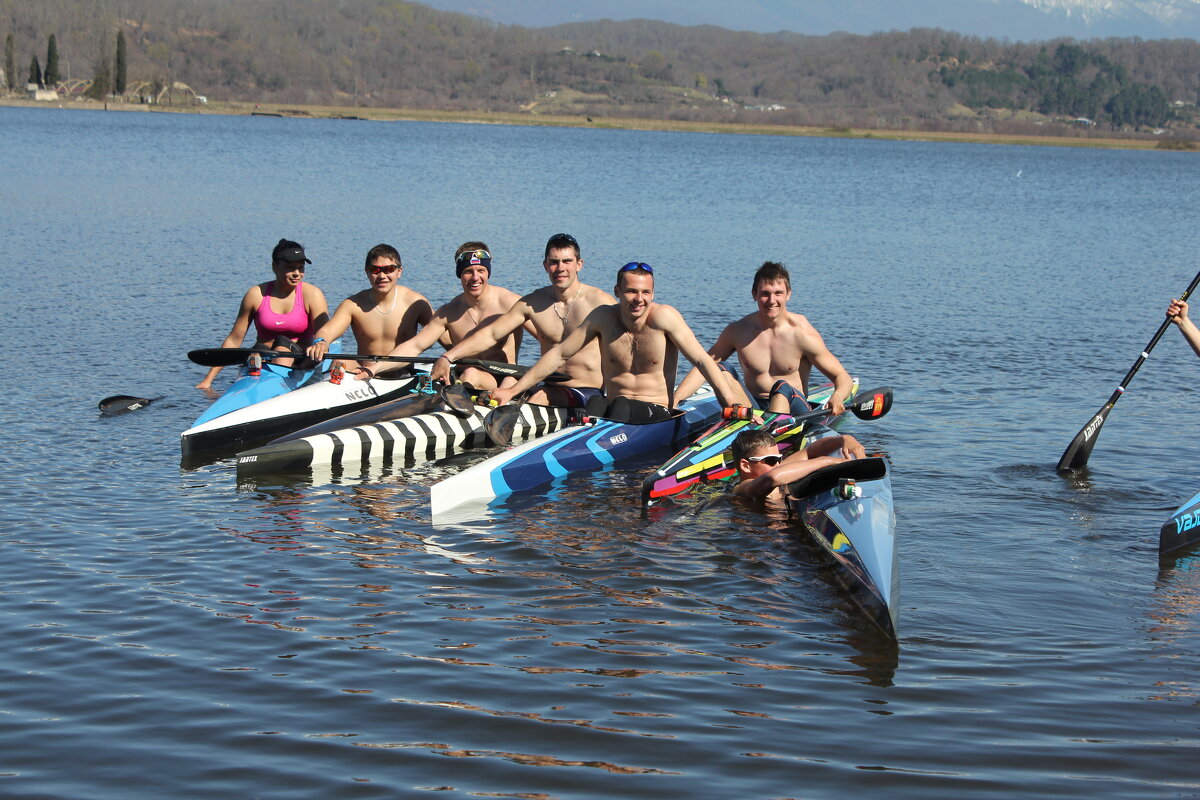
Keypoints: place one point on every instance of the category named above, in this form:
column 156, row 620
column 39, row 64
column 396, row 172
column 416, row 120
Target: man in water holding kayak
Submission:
column 761, row 470
column 480, row 304
column 552, row 312
column 381, row 316
column 777, row 349
column 639, row 343
column 1177, row 312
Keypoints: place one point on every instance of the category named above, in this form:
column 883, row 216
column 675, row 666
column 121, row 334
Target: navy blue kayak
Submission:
column 579, row 448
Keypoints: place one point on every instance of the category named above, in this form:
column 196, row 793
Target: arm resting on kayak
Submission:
column 801, row 463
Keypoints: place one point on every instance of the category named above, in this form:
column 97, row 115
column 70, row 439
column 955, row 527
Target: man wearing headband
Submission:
column 550, row 313
column 381, row 316
column 640, row 342
column 777, row 349
column 479, row 304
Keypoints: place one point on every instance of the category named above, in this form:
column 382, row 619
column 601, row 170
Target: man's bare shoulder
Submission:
column 360, row 302
column 539, row 299
column 662, row 315
column 745, row 328
column 800, row 324
column 594, row 296
column 411, row 296
column 453, row 309
column 505, row 297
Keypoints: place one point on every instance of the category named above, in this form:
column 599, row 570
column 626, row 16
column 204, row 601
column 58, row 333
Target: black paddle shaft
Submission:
column 229, row 356
column 1080, row 449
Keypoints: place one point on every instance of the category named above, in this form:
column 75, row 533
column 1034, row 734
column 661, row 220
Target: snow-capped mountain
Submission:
column 1165, row 11
column 1013, row 19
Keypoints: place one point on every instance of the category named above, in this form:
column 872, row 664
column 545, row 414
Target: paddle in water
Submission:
column 1077, row 453
column 122, row 403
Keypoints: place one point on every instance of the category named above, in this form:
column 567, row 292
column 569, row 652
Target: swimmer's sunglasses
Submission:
column 632, row 265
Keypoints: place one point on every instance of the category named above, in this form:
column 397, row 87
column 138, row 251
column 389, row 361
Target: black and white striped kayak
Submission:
column 402, row 438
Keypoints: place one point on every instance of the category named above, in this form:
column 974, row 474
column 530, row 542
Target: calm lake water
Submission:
column 172, row 633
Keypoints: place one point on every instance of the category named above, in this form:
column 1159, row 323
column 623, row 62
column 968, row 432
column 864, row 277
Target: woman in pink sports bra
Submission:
column 286, row 306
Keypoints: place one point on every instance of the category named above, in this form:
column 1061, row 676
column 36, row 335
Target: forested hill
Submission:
column 390, row 53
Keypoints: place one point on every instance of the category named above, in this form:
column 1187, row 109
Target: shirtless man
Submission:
column 639, row 342
column 553, row 312
column 382, row 316
column 480, row 304
column 777, row 350
column 761, row 470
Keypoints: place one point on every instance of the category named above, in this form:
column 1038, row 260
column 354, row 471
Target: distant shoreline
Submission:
column 295, row 111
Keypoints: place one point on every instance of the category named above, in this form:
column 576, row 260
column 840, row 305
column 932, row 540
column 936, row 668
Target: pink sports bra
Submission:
column 270, row 324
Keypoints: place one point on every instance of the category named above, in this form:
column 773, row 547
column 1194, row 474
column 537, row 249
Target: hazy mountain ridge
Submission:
column 395, row 54
column 1021, row 20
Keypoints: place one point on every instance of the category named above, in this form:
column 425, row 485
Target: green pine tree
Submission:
column 10, row 63
column 119, row 81
column 35, row 72
column 52, row 77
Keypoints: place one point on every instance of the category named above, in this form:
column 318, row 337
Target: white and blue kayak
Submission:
column 595, row 445
column 845, row 508
column 281, row 400
column 848, row 511
column 1182, row 531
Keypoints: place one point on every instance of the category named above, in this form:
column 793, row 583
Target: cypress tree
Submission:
column 119, row 80
column 101, row 80
column 10, row 63
column 52, row 77
column 35, row 72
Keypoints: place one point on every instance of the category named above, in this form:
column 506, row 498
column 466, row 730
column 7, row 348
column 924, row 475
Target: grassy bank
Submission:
column 507, row 118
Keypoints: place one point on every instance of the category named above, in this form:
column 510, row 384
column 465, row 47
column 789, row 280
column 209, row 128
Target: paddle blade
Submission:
column 1080, row 449
column 871, row 404
column 457, row 400
column 219, row 356
column 121, row 403
column 500, row 422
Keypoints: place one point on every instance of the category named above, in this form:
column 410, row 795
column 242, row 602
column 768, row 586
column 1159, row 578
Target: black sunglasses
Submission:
column 559, row 238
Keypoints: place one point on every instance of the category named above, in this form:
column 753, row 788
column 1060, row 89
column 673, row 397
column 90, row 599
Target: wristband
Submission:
column 318, row 340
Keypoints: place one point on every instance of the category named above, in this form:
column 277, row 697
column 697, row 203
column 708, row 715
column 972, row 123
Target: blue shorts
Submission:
column 573, row 396
column 797, row 403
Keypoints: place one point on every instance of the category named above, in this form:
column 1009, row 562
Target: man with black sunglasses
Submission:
column 640, row 342
column 761, row 470
column 551, row 313
column 480, row 304
column 382, row 316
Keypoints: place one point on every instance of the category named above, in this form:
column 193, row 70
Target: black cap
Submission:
column 291, row 254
